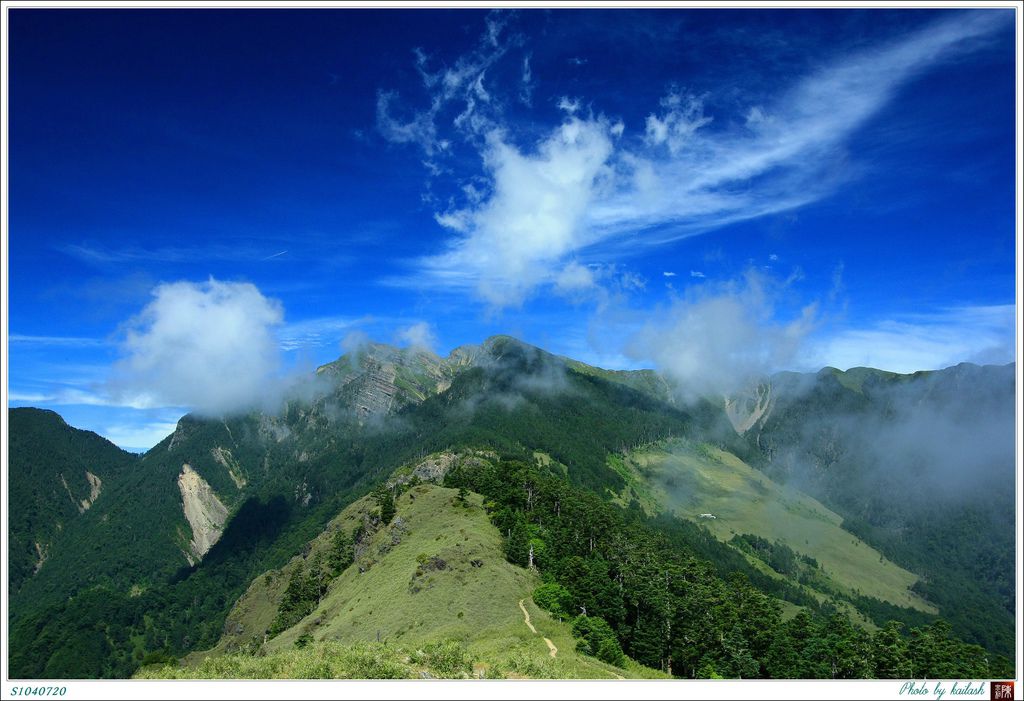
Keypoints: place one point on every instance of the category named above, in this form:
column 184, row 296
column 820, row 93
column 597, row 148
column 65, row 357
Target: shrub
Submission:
column 553, row 598
column 597, row 639
column 448, row 659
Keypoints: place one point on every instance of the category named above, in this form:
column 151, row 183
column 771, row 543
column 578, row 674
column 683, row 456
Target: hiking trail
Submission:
column 526, row 617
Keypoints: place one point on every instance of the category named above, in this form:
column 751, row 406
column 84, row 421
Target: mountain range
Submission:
column 507, row 512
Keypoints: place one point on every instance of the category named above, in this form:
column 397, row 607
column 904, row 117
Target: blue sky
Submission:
column 207, row 203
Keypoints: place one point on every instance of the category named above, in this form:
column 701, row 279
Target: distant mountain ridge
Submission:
column 219, row 501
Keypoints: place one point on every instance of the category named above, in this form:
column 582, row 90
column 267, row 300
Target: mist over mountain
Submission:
column 176, row 536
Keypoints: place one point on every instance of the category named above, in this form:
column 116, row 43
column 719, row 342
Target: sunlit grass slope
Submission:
column 694, row 479
column 429, row 594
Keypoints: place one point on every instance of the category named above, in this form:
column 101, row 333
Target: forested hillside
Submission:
column 566, row 490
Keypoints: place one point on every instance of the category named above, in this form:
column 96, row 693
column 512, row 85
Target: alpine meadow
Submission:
column 647, row 345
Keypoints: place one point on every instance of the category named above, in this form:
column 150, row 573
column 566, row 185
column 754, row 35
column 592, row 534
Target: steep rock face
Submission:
column 95, row 487
column 378, row 379
column 203, row 510
column 747, row 408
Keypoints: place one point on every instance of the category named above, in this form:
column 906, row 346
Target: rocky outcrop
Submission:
column 433, row 468
column 42, row 551
column 203, row 510
column 379, row 379
column 95, row 487
column 746, row 409
column 226, row 460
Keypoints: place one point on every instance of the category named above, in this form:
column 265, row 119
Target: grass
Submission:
column 694, row 479
column 397, row 609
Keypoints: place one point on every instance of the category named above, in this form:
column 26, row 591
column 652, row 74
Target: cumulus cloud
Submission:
column 585, row 192
column 719, row 339
column 419, row 336
column 510, row 243
column 207, row 346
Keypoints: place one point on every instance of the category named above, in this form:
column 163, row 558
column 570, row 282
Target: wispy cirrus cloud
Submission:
column 138, row 436
column 457, row 92
column 73, row 396
column 596, row 187
column 911, row 342
column 65, row 341
column 317, row 332
column 105, row 255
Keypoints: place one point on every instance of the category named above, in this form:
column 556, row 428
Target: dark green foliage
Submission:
column 47, row 483
column 664, row 587
column 298, row 601
column 341, row 554
column 890, row 653
column 597, row 639
column 667, row 609
column 554, row 598
column 783, row 559
column 385, row 502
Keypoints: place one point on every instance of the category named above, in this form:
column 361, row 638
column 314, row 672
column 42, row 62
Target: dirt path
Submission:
column 526, row 618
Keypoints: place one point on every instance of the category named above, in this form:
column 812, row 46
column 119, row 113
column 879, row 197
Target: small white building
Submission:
column 708, row 516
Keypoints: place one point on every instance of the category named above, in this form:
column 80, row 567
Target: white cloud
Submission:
column 419, row 335
column 569, row 105
column 16, row 396
column 908, row 343
column 138, row 436
column 354, row 340
column 574, row 278
column 697, row 274
column 683, row 116
column 71, row 341
column 669, row 273
column 718, row 339
column 315, row 333
column 418, row 130
column 207, row 346
column 509, row 243
column 460, row 86
column 712, row 178
column 72, row 396
column 584, row 192
column 527, row 86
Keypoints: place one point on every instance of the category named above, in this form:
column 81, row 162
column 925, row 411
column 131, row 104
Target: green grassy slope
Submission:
column 921, row 466
column 436, row 574
column 690, row 480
